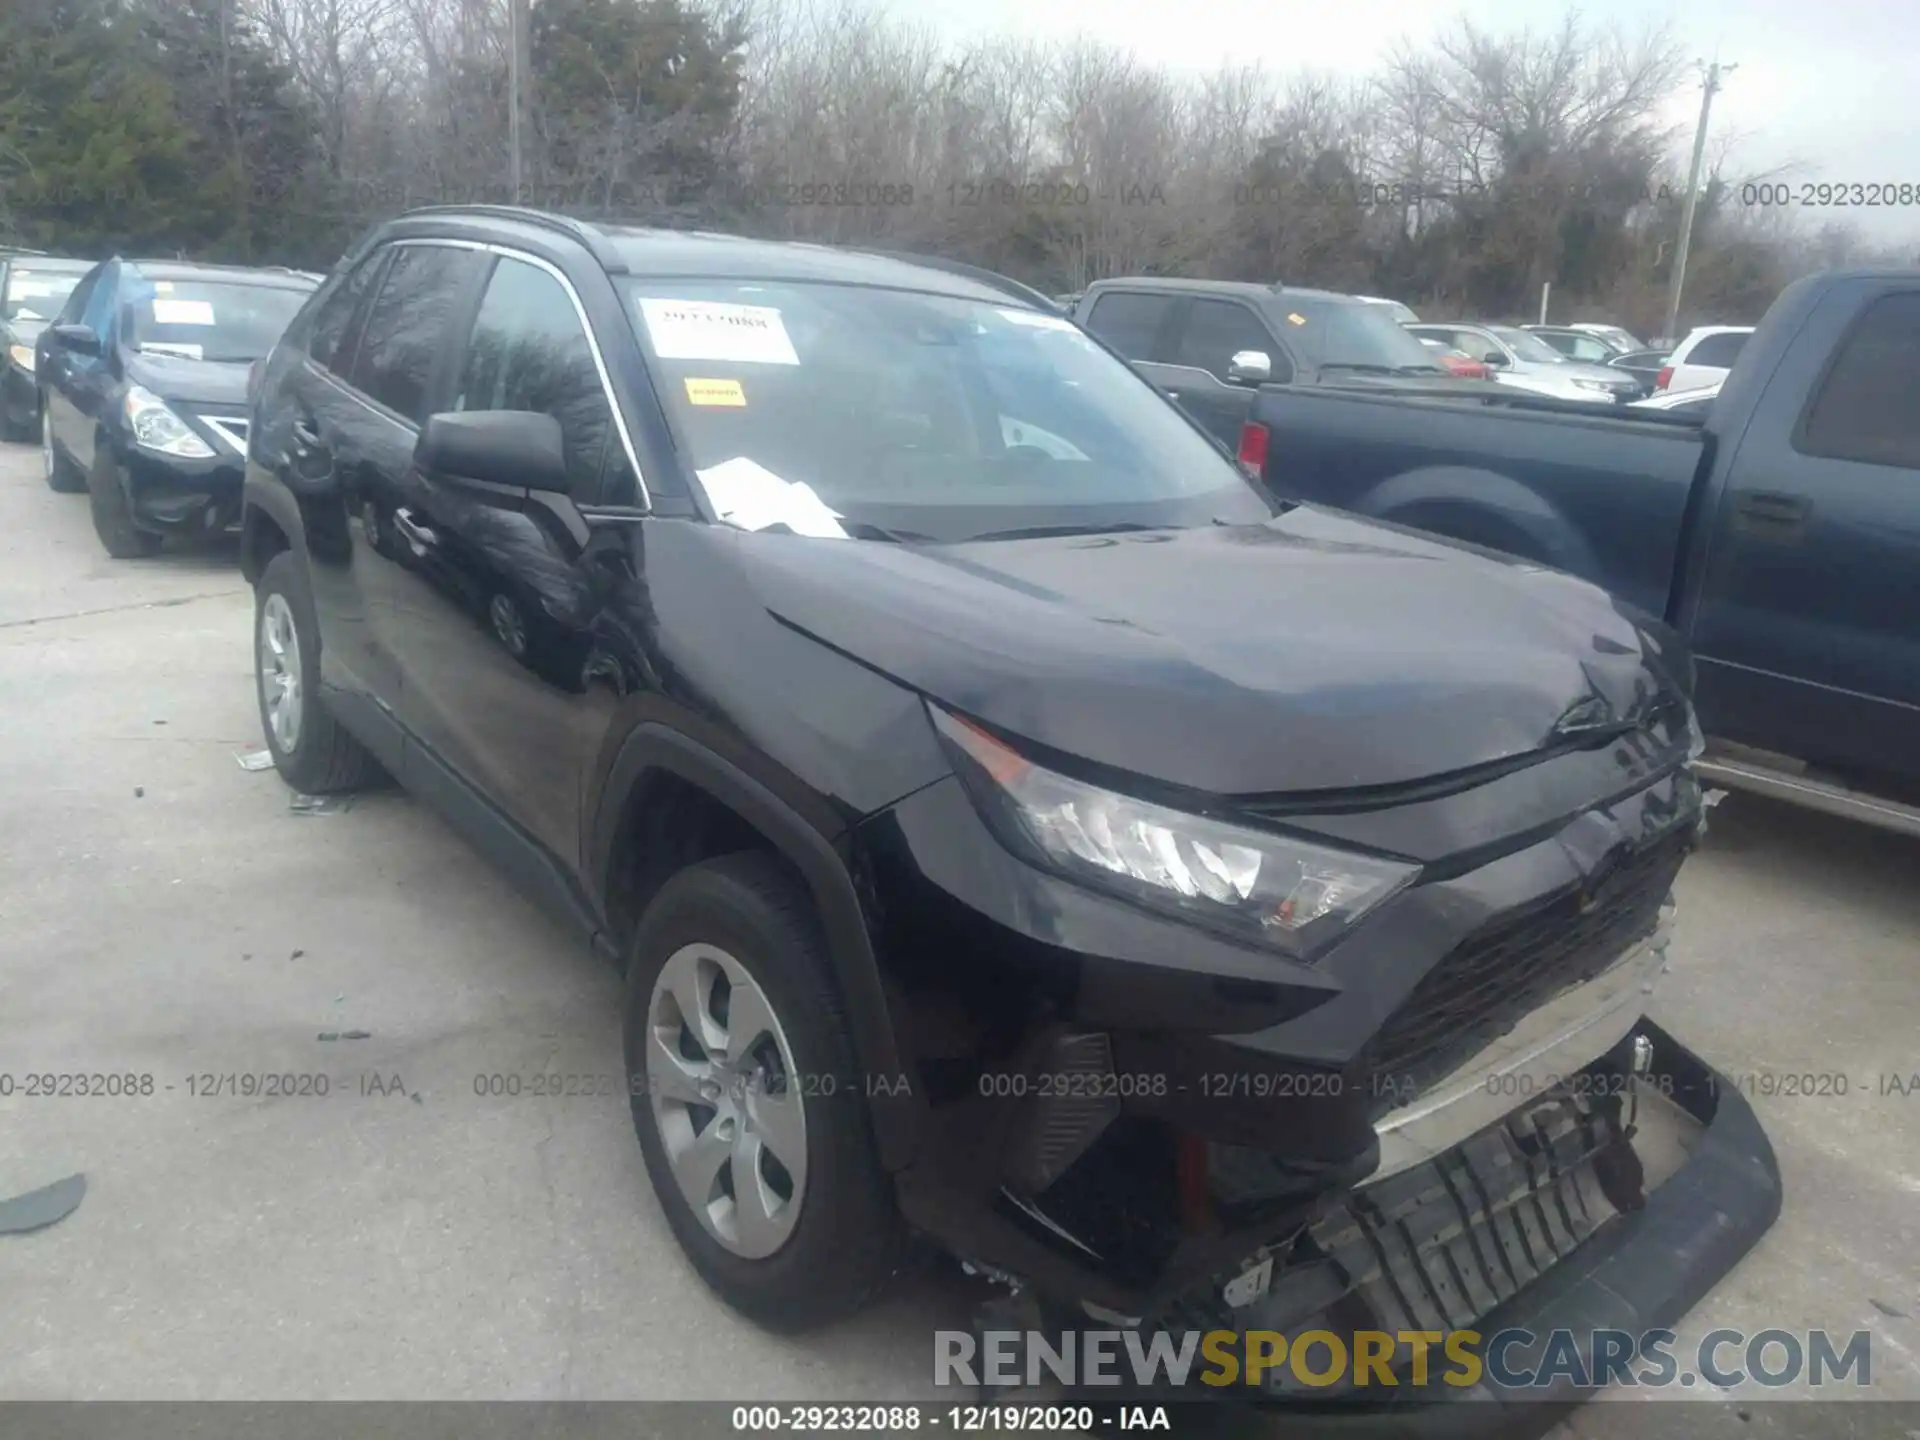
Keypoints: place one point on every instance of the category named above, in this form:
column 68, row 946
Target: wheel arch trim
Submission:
column 654, row 746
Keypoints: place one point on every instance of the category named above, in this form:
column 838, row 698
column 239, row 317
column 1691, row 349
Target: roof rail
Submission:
column 1006, row 285
column 595, row 241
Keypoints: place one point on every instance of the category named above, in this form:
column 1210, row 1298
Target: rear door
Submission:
column 1208, row 333
column 1807, row 620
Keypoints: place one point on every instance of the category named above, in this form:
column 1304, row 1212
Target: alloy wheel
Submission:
column 727, row 1100
column 279, row 654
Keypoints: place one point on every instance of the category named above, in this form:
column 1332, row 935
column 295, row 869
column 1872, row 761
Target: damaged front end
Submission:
column 1447, row 1115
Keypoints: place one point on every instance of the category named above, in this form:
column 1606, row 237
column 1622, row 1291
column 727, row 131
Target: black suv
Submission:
column 143, row 392
column 1015, row 827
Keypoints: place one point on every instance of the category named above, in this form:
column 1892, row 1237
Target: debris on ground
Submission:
column 139, row 792
column 37, row 1209
column 1885, row 1309
column 319, row 804
column 296, row 955
column 256, row 760
column 344, row 1035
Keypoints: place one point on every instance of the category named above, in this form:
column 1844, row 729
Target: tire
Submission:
column 315, row 754
column 61, row 474
column 113, row 514
column 845, row 1239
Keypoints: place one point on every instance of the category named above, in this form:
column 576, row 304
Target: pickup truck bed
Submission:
column 1597, row 495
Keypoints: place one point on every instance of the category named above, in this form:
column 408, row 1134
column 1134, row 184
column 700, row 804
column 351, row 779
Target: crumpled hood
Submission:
column 1312, row 652
column 191, row 382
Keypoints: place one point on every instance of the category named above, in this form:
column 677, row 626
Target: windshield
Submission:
column 36, row 294
column 1359, row 336
column 1527, row 347
column 202, row 320
column 828, row 408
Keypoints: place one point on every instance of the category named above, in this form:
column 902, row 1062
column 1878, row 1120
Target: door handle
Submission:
column 418, row 534
column 305, row 437
column 1769, row 508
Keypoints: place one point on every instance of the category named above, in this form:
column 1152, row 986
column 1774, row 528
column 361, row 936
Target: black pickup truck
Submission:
column 1780, row 534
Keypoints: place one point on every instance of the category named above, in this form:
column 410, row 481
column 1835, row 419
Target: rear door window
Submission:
column 1865, row 408
column 1721, row 350
column 1132, row 323
column 330, row 344
column 407, row 325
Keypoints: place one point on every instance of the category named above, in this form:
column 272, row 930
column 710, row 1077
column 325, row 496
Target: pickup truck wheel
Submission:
column 61, row 474
column 113, row 514
column 313, row 752
column 747, row 1098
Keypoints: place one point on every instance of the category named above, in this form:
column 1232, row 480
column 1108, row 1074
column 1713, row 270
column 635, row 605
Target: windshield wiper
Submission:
column 1040, row 532
column 1356, row 366
column 867, row 530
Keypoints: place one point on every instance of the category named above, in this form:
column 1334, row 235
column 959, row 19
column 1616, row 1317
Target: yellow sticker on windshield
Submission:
column 1296, row 318
column 715, row 392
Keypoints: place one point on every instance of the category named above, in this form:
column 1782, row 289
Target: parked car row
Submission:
column 133, row 374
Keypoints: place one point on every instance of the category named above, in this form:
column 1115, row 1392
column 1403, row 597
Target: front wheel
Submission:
column 747, row 1098
column 113, row 518
column 313, row 752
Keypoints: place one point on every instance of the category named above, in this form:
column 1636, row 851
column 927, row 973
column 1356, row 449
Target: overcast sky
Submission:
column 1825, row 86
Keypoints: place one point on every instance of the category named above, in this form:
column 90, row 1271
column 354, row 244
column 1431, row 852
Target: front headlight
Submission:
column 155, row 427
column 1600, row 385
column 1291, row 894
column 21, row 355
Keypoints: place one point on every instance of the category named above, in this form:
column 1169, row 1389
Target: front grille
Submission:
column 1512, row 966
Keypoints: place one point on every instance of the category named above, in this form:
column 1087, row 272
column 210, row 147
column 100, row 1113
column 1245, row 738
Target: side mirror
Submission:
column 77, row 337
column 498, row 447
column 1250, row 367
column 1494, row 357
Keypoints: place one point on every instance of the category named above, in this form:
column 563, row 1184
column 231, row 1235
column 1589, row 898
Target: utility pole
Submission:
column 516, row 38
column 1714, row 72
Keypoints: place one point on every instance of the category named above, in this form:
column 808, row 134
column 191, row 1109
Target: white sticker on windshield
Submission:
column 708, row 330
column 754, row 498
column 1034, row 319
column 182, row 312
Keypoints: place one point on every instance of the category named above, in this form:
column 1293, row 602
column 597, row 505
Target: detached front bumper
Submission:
column 1462, row 1243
